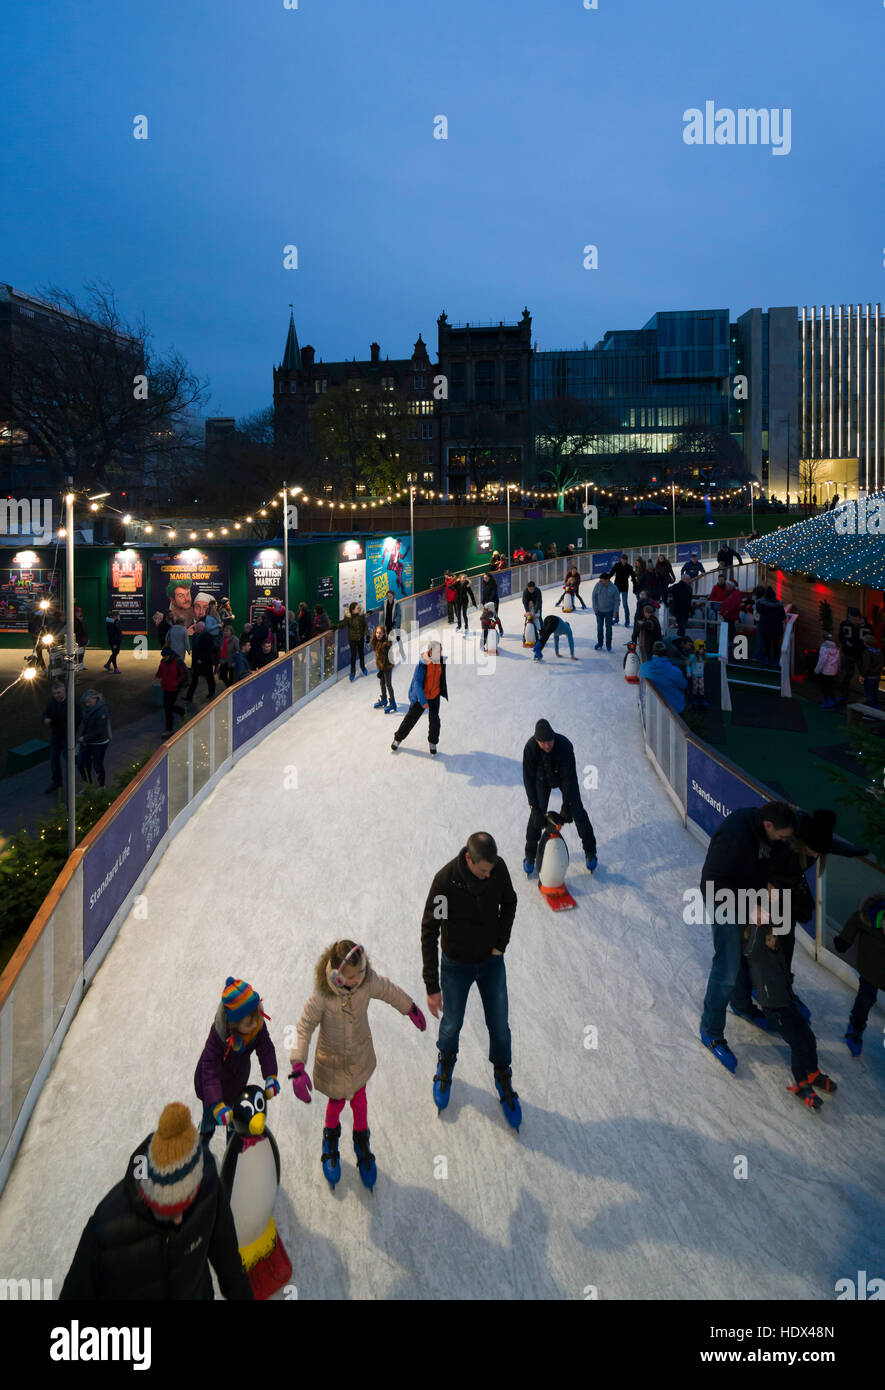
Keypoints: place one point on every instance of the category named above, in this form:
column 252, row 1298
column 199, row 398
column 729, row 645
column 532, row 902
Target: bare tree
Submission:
column 89, row 391
column 565, row 430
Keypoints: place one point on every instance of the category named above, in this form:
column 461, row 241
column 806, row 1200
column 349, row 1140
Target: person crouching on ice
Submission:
column 344, row 985
column 554, row 627
column 226, row 1060
column 427, row 686
column 489, row 619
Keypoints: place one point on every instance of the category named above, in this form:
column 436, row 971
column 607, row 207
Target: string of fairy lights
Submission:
column 97, row 503
column 846, row 544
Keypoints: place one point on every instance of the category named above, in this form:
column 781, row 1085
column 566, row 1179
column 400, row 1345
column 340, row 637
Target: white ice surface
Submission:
column 622, row 1175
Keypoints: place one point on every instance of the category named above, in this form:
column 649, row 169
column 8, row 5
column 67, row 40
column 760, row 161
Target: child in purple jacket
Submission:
column 226, row 1060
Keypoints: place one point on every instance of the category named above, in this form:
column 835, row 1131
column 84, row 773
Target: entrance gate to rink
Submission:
column 56, row 960
column 705, row 786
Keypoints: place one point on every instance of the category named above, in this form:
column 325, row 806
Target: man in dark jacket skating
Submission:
column 157, row 1231
column 548, row 761
column 742, row 854
column 472, row 904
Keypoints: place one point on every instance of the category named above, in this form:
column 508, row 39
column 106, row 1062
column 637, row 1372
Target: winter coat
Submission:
column 203, row 649
column 230, row 647
column 381, row 648
column 851, row 639
column 114, row 632
column 171, row 672
column 488, row 619
column 679, row 600
column 57, row 713
column 728, row 557
column 621, row 574
column 692, row 568
column 667, row 679
column 345, row 1057
column 664, row 569
column 221, row 1074
column 95, row 723
column 829, row 660
column 541, row 771
column 465, row 592
column 606, row 598
column 391, row 614
column 871, row 663
column 739, row 854
column 451, row 590
column 488, row 589
column 478, row 918
column 321, row 623
column 304, row 622
column 771, row 616
column 126, row 1254
column 532, row 598
column 416, row 685
column 870, row 944
column 769, row 969
column 81, row 636
column 179, row 640
column 647, row 629
column 718, row 593
column 731, row 606
column 357, row 627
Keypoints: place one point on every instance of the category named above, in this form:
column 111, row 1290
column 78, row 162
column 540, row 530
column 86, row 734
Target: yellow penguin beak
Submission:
column 256, row 1124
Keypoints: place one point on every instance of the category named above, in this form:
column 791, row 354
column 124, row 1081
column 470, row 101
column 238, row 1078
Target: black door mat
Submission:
column 843, row 756
column 757, row 707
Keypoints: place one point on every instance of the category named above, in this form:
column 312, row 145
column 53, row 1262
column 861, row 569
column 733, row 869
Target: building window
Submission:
column 428, row 477
column 413, row 432
column 388, row 383
column 456, row 381
column 426, row 429
column 484, row 381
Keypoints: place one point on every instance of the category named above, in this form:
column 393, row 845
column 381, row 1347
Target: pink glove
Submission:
column 301, row 1083
column 417, row 1018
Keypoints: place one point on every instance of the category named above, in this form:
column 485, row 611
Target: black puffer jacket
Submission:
column 769, row 968
column 541, row 771
column 740, row 855
column 126, row 1254
column 533, row 598
column 478, row 916
column 870, row 941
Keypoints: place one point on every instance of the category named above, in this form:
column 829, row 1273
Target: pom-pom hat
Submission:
column 175, row 1164
column 239, row 999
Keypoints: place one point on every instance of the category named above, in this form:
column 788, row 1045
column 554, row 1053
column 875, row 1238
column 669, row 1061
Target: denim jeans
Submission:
column 490, row 977
column 625, row 605
column 606, row 620
column 729, row 979
column 866, row 998
column 91, row 758
column 564, row 630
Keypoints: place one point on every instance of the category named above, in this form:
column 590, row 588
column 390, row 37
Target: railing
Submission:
column 705, row 786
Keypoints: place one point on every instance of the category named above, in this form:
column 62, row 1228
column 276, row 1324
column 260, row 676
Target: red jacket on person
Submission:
column 171, row 672
column 731, row 606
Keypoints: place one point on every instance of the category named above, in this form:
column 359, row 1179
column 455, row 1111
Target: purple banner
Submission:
column 430, row 607
column 258, row 702
column 603, row 560
column 712, row 792
column 114, row 862
column 505, row 583
column 684, row 549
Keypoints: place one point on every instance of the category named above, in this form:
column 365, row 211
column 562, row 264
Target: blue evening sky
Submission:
column 314, row 126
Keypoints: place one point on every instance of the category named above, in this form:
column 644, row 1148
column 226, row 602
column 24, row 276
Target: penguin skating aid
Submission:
column 552, row 863
column 250, row 1174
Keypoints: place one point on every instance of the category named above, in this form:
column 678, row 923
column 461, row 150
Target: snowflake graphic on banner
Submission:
column 151, row 825
column 281, row 690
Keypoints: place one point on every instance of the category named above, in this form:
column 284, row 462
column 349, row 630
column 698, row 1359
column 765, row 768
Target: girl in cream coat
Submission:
column 344, row 984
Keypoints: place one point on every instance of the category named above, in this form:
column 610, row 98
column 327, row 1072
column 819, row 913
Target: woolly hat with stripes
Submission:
column 174, row 1163
column 239, row 999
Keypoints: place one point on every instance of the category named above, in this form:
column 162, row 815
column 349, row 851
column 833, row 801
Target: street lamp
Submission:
column 285, row 496
column 71, row 660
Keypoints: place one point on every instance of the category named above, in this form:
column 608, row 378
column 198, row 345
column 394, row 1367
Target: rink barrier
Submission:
column 705, row 787
column 101, row 882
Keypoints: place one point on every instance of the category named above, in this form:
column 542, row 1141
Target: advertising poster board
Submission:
column 127, row 595
column 351, row 575
column 184, row 581
column 389, row 568
column 258, row 702
column 264, row 577
column 25, row 579
column 115, row 861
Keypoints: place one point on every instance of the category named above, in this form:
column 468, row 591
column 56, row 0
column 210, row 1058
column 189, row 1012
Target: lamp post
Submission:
column 752, row 517
column 673, row 501
column 412, row 533
column 294, row 491
column 509, row 485
column 71, row 662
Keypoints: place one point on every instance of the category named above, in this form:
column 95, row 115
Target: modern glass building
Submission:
column 842, row 400
column 652, row 383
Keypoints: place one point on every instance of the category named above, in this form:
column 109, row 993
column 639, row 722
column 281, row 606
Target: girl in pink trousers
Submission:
column 344, row 984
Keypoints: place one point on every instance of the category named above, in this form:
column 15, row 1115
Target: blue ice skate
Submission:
column 509, row 1098
column 720, row 1050
column 331, row 1159
column 365, row 1159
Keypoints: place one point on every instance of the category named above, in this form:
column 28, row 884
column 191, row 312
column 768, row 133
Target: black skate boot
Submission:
column 331, row 1158
column 442, row 1082
column 365, row 1159
column 509, row 1098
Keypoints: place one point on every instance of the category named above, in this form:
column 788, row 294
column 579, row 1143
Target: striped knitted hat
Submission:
column 239, row 999
column 174, row 1163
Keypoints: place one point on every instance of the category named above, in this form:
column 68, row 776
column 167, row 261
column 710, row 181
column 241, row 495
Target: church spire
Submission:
column 292, row 355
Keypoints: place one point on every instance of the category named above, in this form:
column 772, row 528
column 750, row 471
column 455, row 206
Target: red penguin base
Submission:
column 560, row 899
column 271, row 1272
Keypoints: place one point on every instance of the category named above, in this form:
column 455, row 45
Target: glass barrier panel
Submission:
column 67, row 946
column 28, row 1025
column 330, row 653
column 299, row 674
column 848, row 882
column 176, row 764
column 201, row 747
column 222, row 732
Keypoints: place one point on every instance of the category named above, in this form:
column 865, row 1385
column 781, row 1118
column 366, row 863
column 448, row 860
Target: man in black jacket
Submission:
column 55, row 716
column 679, row 599
column 472, row 903
column 202, row 660
column 548, row 761
column 851, row 634
column 744, row 853
column 156, row 1232
column 488, row 591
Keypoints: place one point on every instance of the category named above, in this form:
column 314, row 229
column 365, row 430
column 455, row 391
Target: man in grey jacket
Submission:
column 606, row 601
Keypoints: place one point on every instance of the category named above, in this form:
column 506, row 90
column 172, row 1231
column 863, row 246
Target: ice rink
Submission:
column 622, row 1178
